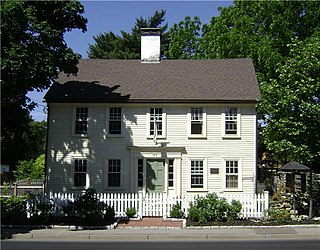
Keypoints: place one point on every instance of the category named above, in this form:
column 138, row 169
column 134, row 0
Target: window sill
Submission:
column 114, row 136
column 238, row 137
column 80, row 136
column 117, row 189
column 197, row 137
column 197, row 190
column 79, row 188
column 232, row 190
column 150, row 137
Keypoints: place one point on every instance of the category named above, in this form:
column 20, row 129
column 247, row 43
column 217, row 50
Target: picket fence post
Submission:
column 140, row 202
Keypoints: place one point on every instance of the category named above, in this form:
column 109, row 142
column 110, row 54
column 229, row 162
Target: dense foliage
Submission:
column 33, row 52
column 33, row 169
column 176, row 211
column 282, row 38
column 86, row 210
column 212, row 208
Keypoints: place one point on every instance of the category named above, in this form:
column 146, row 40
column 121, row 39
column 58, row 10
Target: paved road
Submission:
column 150, row 245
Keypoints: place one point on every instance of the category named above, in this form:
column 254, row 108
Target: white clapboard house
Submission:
column 175, row 126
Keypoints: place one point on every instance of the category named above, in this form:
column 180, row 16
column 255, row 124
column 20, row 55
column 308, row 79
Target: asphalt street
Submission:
column 150, row 245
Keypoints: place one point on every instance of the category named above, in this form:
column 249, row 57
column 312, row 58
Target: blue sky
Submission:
column 105, row 16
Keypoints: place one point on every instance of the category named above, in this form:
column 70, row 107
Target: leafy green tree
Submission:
column 33, row 52
column 33, row 169
column 127, row 46
column 185, row 39
column 260, row 30
column 292, row 102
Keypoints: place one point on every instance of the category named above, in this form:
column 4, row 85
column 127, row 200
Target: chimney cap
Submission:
column 150, row 31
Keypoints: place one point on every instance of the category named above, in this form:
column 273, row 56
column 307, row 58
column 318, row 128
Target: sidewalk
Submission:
column 167, row 234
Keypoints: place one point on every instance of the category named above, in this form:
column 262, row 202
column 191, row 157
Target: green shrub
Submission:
column 88, row 210
column 131, row 212
column 212, row 208
column 176, row 211
column 280, row 216
column 13, row 210
column 41, row 211
column 235, row 209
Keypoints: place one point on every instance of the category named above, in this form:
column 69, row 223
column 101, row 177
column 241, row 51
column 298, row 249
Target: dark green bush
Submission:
column 131, row 212
column 13, row 210
column 88, row 210
column 40, row 210
column 176, row 211
column 212, row 208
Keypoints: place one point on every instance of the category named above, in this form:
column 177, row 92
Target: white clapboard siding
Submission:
column 98, row 146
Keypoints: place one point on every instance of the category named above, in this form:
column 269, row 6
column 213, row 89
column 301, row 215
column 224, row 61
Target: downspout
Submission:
column 310, row 194
column 255, row 153
column 47, row 153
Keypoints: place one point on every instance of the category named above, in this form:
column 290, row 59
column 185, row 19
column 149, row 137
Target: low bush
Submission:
column 278, row 215
column 176, row 211
column 212, row 208
column 13, row 210
column 88, row 210
column 131, row 212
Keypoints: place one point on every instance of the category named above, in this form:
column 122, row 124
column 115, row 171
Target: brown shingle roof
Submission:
column 99, row 80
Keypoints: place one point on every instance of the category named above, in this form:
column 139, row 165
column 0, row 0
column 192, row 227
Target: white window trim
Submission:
column 73, row 131
column 72, row 174
column 204, row 125
column 122, row 121
column 239, row 189
column 164, row 124
column 106, row 174
column 238, row 134
column 205, row 174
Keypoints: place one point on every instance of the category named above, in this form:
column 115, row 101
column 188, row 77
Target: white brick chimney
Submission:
column 150, row 44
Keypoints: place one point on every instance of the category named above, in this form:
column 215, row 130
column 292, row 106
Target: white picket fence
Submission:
column 160, row 204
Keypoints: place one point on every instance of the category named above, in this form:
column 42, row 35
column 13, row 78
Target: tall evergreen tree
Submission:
column 127, row 46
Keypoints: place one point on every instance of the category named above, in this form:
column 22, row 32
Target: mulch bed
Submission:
column 248, row 222
column 150, row 222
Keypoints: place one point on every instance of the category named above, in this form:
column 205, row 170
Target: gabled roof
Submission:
column 294, row 166
column 100, row 80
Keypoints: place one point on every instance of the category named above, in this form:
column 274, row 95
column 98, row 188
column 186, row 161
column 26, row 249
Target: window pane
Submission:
column 231, row 120
column 231, row 174
column 80, row 172
column 114, row 173
column 196, row 128
column 196, row 174
column 232, row 181
column 81, row 122
column 156, row 117
column 115, row 120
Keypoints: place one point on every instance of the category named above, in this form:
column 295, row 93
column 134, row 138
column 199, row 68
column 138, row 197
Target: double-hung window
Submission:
column 114, row 173
column 156, row 118
column 115, row 117
column 81, row 121
column 232, row 174
column 231, row 121
column 197, row 123
column 196, row 174
column 80, row 172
